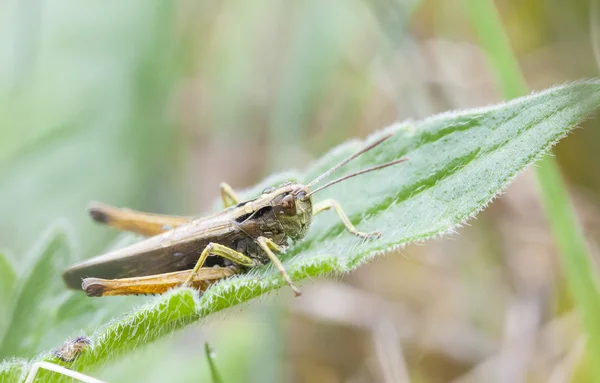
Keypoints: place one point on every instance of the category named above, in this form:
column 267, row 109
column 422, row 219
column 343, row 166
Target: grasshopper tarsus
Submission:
column 371, row 235
column 297, row 293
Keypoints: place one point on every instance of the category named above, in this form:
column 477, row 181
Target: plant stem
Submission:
column 576, row 262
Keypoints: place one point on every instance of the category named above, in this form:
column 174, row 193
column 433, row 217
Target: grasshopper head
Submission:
column 293, row 209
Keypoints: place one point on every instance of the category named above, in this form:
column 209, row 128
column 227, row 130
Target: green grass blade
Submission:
column 577, row 265
column 494, row 41
column 458, row 163
column 214, row 371
column 8, row 278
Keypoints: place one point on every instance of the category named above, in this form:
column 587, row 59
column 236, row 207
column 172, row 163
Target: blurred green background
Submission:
column 151, row 104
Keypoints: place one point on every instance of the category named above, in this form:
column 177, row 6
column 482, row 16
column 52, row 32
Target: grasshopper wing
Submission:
column 174, row 250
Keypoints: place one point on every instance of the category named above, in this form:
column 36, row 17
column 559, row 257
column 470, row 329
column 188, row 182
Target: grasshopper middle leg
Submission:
column 241, row 259
column 330, row 203
column 135, row 221
column 222, row 251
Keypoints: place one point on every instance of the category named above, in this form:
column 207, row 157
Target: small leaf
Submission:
column 458, row 163
column 38, row 293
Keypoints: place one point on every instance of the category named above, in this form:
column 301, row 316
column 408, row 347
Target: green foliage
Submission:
column 37, row 297
column 81, row 86
column 458, row 163
column 578, row 267
column 75, row 111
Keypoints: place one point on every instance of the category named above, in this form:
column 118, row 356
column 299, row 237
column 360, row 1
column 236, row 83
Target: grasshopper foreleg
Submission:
column 221, row 251
column 268, row 245
column 135, row 221
column 229, row 196
column 330, row 203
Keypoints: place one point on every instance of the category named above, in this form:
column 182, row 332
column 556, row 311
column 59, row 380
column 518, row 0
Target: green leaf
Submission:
column 458, row 163
column 37, row 295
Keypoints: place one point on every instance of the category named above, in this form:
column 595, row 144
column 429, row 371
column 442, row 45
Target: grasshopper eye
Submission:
column 289, row 205
column 268, row 190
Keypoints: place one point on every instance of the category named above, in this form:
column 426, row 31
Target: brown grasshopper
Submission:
column 200, row 252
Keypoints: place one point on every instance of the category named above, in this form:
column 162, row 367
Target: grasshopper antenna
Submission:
column 344, row 162
column 328, row 184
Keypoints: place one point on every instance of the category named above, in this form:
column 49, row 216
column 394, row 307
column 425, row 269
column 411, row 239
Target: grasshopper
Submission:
column 199, row 252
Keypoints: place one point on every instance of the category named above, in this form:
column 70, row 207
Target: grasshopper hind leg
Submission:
column 156, row 284
column 200, row 278
column 146, row 224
